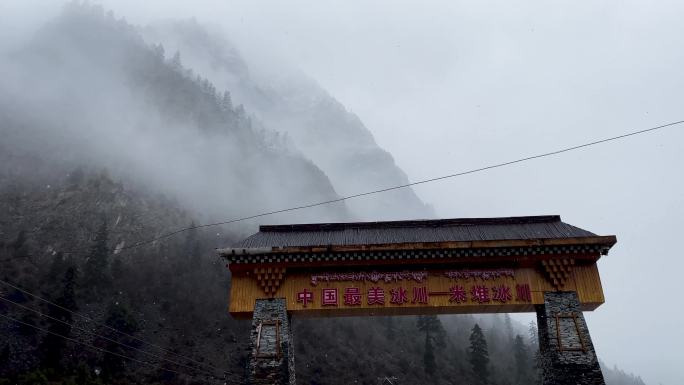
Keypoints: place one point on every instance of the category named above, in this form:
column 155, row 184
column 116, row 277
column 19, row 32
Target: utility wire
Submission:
column 91, row 346
column 167, row 351
column 373, row 192
column 105, row 338
column 226, row 377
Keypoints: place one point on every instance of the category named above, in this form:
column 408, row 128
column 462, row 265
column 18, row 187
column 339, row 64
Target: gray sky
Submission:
column 446, row 86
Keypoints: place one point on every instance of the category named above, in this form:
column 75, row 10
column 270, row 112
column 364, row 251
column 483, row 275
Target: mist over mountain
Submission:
column 288, row 101
column 87, row 90
column 109, row 138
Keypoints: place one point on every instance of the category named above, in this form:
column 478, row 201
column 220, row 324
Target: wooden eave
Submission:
column 586, row 247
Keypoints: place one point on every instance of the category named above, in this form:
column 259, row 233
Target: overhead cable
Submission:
column 167, row 351
column 104, row 337
column 420, row 182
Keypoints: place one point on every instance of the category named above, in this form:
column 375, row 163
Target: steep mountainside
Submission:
column 320, row 126
column 88, row 91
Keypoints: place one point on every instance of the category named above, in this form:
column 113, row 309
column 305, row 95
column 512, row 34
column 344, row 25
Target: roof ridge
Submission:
column 410, row 223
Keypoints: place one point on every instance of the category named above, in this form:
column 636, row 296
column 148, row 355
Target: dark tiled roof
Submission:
column 442, row 230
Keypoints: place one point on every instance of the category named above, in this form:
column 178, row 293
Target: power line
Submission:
column 91, row 346
column 103, row 337
column 226, row 377
column 373, row 192
column 167, row 351
column 398, row 187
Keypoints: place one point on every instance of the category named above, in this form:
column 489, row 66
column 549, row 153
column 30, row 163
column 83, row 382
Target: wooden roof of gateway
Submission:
column 440, row 230
column 425, row 239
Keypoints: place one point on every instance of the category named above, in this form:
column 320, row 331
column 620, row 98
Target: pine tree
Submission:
column 226, row 101
column 532, row 333
column 96, row 276
column 57, row 269
column 118, row 271
column 479, row 355
column 176, row 63
column 522, row 360
column 59, row 319
column 434, row 333
column 240, row 111
column 534, row 346
column 429, row 357
column 158, row 50
column 118, row 317
column 19, row 245
column 509, row 326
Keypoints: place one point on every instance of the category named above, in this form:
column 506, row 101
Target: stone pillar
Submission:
column 567, row 353
column 271, row 360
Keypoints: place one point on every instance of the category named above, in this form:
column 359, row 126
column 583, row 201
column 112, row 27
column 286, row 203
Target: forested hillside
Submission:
column 87, row 90
column 290, row 102
column 109, row 141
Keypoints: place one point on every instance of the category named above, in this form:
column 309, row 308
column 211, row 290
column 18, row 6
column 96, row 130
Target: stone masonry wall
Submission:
column 572, row 359
column 270, row 368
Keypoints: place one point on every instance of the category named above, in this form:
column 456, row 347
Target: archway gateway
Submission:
column 485, row 265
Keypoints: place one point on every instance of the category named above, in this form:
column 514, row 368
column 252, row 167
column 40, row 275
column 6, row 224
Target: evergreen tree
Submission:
column 534, row 346
column 434, row 333
column 57, row 269
column 158, row 50
column 226, row 101
column 19, row 245
column 240, row 111
column 429, row 362
column 96, row 276
column 118, row 270
column 59, row 319
column 533, row 334
column 119, row 318
column 509, row 326
column 522, row 361
column 479, row 355
column 176, row 63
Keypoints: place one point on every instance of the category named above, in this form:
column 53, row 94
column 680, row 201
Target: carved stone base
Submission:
column 567, row 353
column 271, row 361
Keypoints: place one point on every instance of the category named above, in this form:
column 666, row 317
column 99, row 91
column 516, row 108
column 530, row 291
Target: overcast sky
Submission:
column 446, row 86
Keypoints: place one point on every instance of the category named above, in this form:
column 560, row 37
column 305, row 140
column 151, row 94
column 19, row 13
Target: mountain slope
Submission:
column 88, row 91
column 320, row 126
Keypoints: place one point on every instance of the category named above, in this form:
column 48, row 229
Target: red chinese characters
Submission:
column 480, row 293
column 398, row 296
column 305, row 297
column 501, row 293
column 420, row 295
column 523, row 293
column 329, row 297
column 352, row 296
column 457, row 294
column 376, row 296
